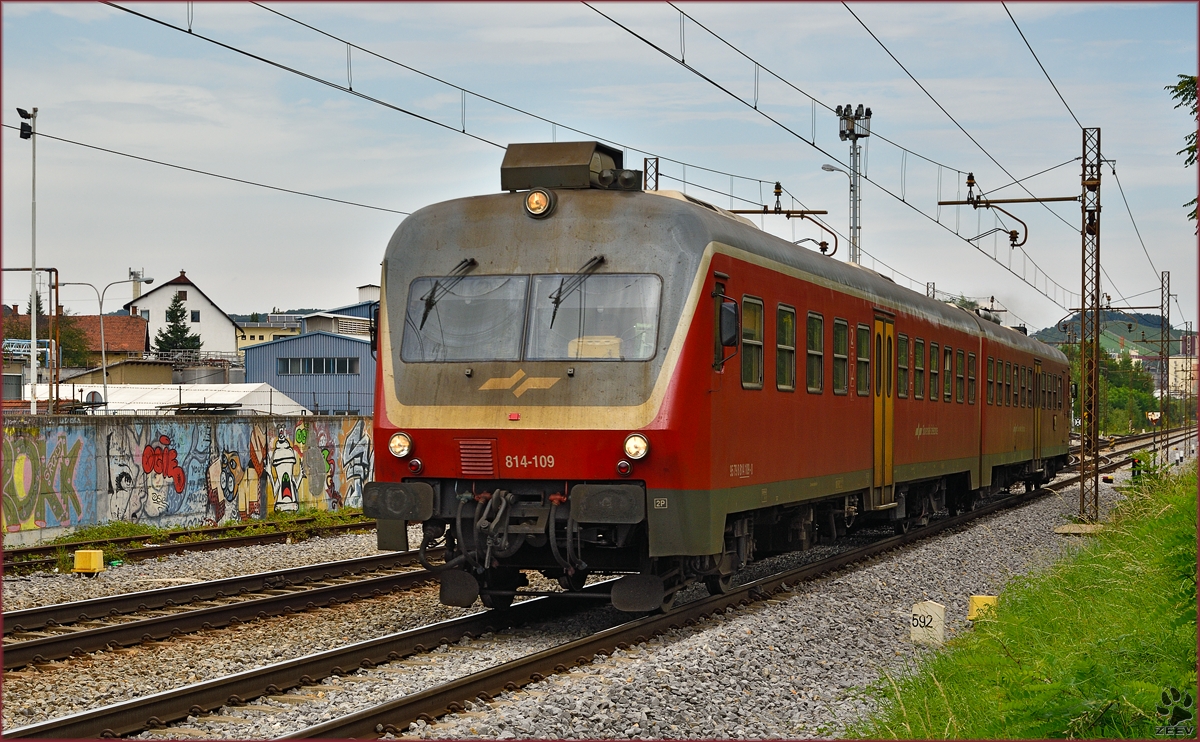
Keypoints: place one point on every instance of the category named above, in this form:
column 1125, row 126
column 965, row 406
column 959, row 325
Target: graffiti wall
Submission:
column 179, row 472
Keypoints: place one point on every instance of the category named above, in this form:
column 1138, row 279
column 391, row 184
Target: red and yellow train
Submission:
column 578, row 377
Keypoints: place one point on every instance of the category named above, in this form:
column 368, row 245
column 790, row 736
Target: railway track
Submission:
column 32, row 558
column 46, row 633
column 202, row 698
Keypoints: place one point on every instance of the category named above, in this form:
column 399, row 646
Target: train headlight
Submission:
column 400, row 445
column 636, row 446
column 539, row 203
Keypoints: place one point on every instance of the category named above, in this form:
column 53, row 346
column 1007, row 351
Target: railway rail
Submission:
column 46, row 556
column 46, row 633
column 160, row 709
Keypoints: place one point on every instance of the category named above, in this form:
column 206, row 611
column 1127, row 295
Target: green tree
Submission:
column 968, row 304
column 1184, row 91
column 176, row 336
column 71, row 338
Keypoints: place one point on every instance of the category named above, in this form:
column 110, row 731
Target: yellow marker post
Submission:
column 978, row 605
column 89, row 561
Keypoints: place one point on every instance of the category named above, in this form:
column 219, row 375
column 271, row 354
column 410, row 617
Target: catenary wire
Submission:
column 1039, row 63
column 502, row 104
column 791, row 131
column 211, row 175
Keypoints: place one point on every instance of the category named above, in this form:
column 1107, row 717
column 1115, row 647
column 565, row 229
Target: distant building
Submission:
column 218, row 333
column 124, row 371
column 277, row 327
column 181, row 399
column 326, row 372
column 124, row 337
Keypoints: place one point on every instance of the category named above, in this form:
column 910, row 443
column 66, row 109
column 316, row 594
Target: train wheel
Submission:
column 668, row 602
column 495, row 601
column 900, row 527
column 719, row 585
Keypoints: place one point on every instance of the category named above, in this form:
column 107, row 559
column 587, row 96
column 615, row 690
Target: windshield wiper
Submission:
column 459, row 273
column 570, row 284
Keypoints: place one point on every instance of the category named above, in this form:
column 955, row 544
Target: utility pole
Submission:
column 852, row 126
column 1164, row 365
column 1089, row 331
column 29, row 131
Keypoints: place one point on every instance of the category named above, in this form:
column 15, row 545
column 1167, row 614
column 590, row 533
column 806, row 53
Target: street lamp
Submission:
column 853, row 257
column 100, row 301
column 27, row 132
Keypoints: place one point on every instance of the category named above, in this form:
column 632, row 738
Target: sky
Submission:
column 104, row 77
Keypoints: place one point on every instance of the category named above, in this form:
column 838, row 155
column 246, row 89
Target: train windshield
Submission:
column 602, row 317
column 476, row 318
column 538, row 318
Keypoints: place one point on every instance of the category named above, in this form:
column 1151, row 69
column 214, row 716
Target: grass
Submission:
column 1082, row 649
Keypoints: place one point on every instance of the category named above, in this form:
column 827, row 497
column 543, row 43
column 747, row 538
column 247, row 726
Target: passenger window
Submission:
column 752, row 343
column 816, row 353
column 971, row 378
column 902, row 366
column 919, row 368
column 718, row 349
column 948, row 371
column 991, row 384
column 841, row 356
column 785, row 349
column 933, row 372
column 1008, row 384
column 958, row 376
column 863, row 368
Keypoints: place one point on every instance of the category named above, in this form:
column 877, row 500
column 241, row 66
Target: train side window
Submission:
column 785, row 349
column 970, row 378
column 958, row 376
column 1027, row 387
column 947, row 372
column 919, row 368
column 991, row 381
column 752, row 343
column 862, row 369
column 816, row 353
column 1023, row 398
column 934, row 360
column 1007, row 384
column 841, row 356
column 902, row 366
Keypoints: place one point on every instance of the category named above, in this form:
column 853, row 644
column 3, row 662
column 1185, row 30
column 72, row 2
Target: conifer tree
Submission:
column 176, row 336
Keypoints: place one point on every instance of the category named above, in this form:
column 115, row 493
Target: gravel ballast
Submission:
column 795, row 666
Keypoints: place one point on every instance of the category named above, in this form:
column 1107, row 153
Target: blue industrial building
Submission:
column 327, row 373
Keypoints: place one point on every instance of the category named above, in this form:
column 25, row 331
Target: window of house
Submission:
column 145, row 314
column 752, row 343
column 970, row 378
column 195, row 315
column 947, row 373
column 785, row 349
column 292, row 366
column 815, row 343
column 919, row 368
column 862, row 369
column 182, row 295
column 841, row 356
column 933, row 372
column 902, row 366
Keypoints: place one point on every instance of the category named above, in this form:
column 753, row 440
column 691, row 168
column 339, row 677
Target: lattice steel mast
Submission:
column 1089, row 332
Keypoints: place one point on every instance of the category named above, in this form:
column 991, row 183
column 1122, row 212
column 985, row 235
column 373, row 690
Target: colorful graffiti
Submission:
column 175, row 472
column 40, row 488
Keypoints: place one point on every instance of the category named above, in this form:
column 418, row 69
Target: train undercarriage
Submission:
column 493, row 533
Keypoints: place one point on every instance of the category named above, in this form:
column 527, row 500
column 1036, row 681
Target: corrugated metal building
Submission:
column 327, row 373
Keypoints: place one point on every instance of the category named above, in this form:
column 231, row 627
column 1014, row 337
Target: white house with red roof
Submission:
column 218, row 333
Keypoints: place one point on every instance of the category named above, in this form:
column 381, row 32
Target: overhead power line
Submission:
column 43, row 135
column 1039, row 62
column 815, row 146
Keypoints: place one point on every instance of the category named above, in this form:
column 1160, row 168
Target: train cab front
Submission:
column 481, row 533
